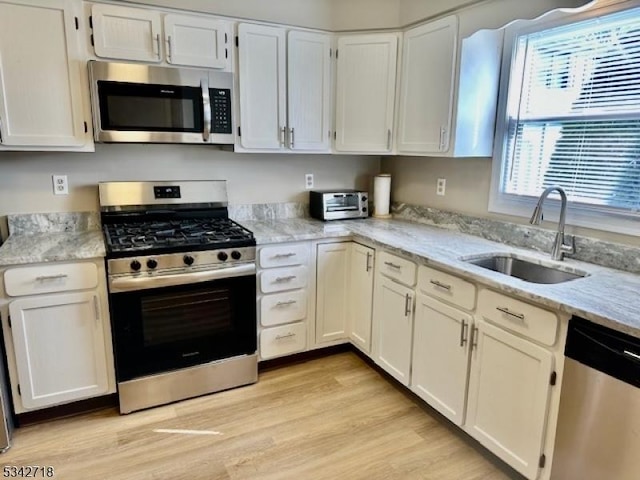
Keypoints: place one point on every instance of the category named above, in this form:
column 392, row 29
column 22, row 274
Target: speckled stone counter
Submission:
column 606, row 296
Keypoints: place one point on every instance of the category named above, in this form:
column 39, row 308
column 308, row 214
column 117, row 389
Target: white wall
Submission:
column 413, row 180
column 365, row 14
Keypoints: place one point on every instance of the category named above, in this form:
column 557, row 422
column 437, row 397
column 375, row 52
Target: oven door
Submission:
column 161, row 329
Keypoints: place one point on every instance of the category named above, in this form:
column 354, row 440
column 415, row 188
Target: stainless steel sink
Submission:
column 525, row 270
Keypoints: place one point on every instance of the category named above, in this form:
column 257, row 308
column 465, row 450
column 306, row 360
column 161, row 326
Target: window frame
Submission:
column 578, row 214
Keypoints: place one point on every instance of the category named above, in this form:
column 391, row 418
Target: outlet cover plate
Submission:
column 308, row 181
column 60, row 185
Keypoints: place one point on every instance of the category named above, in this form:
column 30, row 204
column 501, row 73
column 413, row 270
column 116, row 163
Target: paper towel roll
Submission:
column 381, row 195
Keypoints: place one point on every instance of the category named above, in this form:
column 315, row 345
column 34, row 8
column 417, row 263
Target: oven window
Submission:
column 183, row 316
column 150, row 108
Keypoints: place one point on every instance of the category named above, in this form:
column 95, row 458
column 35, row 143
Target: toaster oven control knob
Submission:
column 364, row 209
column 152, row 263
column 222, row 256
column 364, row 198
column 188, row 260
column 236, row 255
column 135, row 265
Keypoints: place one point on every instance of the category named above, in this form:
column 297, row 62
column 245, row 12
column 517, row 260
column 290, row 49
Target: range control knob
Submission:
column 222, row 256
column 236, row 255
column 152, row 263
column 135, row 265
column 188, row 260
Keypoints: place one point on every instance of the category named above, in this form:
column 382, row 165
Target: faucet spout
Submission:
column 560, row 245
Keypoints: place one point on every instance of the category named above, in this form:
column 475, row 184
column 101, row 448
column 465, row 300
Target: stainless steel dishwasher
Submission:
column 598, row 435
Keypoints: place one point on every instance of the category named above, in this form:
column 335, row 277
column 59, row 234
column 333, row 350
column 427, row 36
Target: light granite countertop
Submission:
column 605, row 296
column 42, row 247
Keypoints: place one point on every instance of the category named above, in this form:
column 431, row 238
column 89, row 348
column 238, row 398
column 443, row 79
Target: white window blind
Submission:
column 573, row 113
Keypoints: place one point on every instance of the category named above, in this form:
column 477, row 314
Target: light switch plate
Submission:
column 60, row 185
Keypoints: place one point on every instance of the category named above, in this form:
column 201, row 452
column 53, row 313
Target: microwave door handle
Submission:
column 206, row 108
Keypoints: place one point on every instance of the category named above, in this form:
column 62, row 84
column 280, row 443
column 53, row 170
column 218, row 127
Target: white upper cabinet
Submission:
column 309, row 88
column 426, row 91
column 366, row 86
column 285, row 89
column 126, row 33
column 195, row 41
column 262, row 78
column 41, row 77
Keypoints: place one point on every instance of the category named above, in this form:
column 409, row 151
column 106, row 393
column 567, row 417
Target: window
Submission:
column 570, row 116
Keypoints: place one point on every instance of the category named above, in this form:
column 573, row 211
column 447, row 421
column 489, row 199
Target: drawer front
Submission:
column 404, row 271
column 532, row 322
column 283, row 255
column 280, row 308
column 283, row 340
column 281, row 279
column 447, row 287
column 50, row 278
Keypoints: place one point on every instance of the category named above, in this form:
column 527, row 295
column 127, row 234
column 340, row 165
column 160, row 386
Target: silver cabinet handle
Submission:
column 44, row 278
column 463, row 333
column 292, row 137
column 505, row 310
column 474, row 337
column 392, row 265
column 631, row 354
column 285, row 304
column 169, row 48
column 95, row 308
column 1, row 141
column 288, row 335
column 407, row 305
column 369, row 255
column 389, row 139
column 284, row 255
column 158, row 45
column 283, row 135
column 206, row 108
column 285, row 279
column 440, row 284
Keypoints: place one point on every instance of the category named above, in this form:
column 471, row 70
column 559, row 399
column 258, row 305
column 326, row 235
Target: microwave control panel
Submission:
column 220, row 110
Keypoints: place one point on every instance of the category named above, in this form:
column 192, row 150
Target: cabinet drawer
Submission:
column 282, row 308
column 281, row 279
column 284, row 255
column 447, row 287
column 50, row 278
column 404, row 271
column 284, row 340
column 532, row 322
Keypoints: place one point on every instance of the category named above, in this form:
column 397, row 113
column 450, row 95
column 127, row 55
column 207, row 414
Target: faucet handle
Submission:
column 568, row 244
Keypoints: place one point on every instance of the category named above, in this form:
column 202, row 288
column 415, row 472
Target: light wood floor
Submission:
column 330, row 418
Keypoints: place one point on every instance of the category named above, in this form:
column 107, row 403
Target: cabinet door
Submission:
column 393, row 318
column 365, row 92
column 196, row 42
column 360, row 299
column 126, row 33
column 309, row 87
column 40, row 81
column 509, row 389
column 426, row 93
column 332, row 292
column 440, row 363
column 59, row 347
column 262, row 64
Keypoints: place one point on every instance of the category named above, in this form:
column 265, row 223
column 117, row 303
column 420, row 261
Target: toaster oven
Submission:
column 338, row 204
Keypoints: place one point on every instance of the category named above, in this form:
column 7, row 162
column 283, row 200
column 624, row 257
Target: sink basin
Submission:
column 525, row 270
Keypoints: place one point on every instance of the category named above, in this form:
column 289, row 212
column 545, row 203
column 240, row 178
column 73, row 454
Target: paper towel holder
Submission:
column 382, row 195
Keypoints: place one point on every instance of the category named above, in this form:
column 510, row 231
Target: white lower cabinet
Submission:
column 332, row 291
column 60, row 348
column 441, row 357
column 360, row 301
column 509, row 391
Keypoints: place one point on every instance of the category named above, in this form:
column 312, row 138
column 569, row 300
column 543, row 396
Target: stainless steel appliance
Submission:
column 182, row 290
column 146, row 104
column 338, row 204
column 598, row 434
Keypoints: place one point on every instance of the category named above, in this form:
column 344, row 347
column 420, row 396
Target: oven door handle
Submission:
column 130, row 284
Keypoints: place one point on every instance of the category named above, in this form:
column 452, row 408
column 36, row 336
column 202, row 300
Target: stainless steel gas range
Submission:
column 182, row 289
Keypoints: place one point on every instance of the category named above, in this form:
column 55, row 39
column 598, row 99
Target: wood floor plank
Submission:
column 327, row 418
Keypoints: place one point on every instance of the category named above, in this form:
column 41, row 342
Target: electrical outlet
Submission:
column 441, row 186
column 308, row 181
column 60, row 185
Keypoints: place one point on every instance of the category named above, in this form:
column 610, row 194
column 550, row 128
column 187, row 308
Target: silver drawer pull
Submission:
column 440, row 284
column 287, row 303
column 392, row 265
column 288, row 335
column 631, row 354
column 519, row 316
column 285, row 279
column 51, row 277
column 284, row 255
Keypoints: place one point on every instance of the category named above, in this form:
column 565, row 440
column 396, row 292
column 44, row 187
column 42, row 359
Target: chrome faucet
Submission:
column 559, row 245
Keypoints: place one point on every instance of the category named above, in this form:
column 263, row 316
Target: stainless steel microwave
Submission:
column 338, row 204
column 146, row 104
